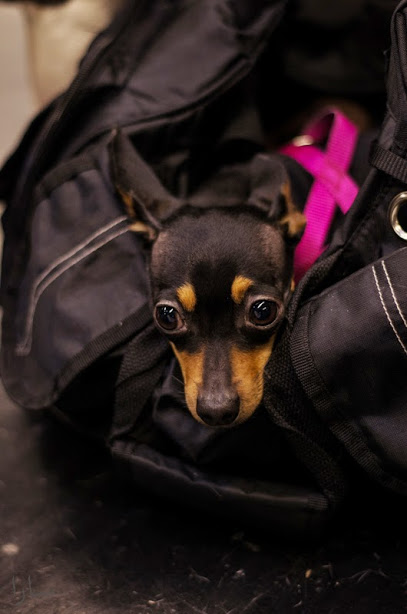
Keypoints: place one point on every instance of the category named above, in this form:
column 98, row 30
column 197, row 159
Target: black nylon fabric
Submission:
column 280, row 508
column 71, row 270
column 348, row 341
column 140, row 371
column 122, row 77
column 75, row 288
column 60, row 222
column 358, row 393
column 85, row 277
column 311, row 440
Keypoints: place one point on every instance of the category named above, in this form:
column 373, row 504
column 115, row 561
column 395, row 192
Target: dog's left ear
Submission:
column 271, row 193
column 147, row 202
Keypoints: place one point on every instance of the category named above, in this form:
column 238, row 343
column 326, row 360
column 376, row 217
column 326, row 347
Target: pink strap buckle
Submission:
column 332, row 186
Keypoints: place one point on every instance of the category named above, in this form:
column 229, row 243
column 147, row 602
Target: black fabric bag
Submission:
column 78, row 335
column 347, row 344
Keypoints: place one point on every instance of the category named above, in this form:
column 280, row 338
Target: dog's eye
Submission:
column 168, row 317
column 263, row 312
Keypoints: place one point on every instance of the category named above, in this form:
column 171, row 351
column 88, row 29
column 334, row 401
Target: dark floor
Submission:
column 73, row 539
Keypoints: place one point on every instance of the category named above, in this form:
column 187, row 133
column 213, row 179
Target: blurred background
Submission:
column 17, row 102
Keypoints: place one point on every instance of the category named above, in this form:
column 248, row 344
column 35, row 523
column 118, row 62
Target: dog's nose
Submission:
column 218, row 410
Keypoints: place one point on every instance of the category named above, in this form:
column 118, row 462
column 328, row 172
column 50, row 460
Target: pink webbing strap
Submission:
column 332, row 185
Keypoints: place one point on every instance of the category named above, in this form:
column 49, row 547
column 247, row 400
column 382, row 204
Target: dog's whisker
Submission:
column 177, row 379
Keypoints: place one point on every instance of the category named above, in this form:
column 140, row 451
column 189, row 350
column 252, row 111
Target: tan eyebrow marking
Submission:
column 240, row 286
column 186, row 296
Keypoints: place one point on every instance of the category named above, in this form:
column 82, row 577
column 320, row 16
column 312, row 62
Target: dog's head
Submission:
column 221, row 277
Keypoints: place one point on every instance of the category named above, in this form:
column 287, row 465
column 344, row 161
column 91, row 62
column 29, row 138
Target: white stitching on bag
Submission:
column 24, row 347
column 386, row 311
column 393, row 294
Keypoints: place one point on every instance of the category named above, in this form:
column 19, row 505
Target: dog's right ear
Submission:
column 271, row 193
column 148, row 204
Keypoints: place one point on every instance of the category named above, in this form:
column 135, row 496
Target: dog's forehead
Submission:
column 217, row 245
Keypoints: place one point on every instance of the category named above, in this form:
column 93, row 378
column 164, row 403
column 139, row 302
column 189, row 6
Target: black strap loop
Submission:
column 388, row 162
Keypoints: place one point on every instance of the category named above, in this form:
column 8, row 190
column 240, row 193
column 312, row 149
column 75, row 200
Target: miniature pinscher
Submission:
column 221, row 274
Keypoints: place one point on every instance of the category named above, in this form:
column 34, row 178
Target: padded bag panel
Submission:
column 296, row 510
column 348, row 344
column 85, row 283
column 349, row 349
column 346, row 332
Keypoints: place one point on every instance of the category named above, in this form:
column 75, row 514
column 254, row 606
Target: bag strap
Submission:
column 388, row 162
column 332, row 185
column 142, row 367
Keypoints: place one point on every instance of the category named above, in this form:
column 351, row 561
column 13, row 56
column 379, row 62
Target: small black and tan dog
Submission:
column 221, row 274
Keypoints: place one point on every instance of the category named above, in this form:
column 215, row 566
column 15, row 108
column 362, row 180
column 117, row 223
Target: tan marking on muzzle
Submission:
column 187, row 297
column 240, row 286
column 192, row 371
column 247, row 376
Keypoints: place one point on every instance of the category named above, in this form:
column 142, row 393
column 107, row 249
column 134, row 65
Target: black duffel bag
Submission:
column 78, row 336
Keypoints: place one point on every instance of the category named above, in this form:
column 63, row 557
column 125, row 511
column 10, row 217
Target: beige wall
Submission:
column 40, row 47
column 17, row 103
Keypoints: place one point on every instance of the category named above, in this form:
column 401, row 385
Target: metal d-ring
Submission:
column 395, row 206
